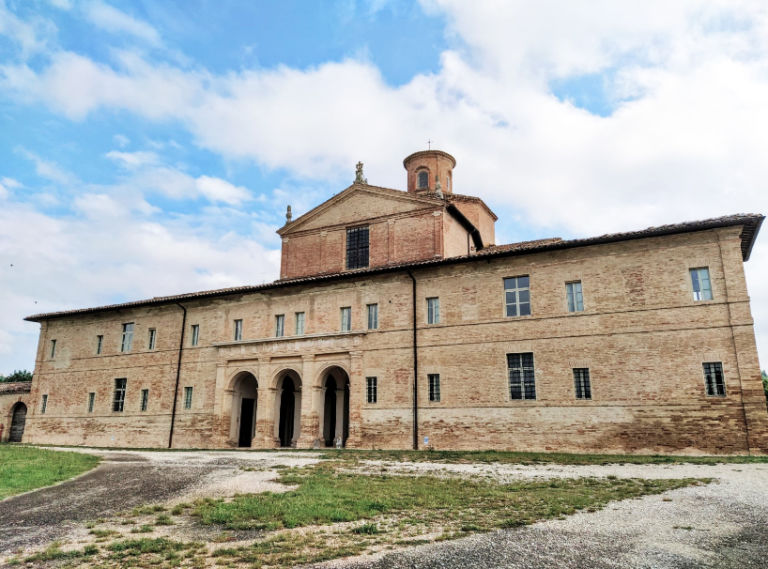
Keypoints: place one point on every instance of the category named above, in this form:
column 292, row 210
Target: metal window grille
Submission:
column 238, row 330
column 346, row 319
column 714, row 379
column 357, row 247
column 99, row 343
column 522, row 382
column 118, row 403
column 127, row 339
column 187, row 398
column 581, row 383
column 91, row 401
column 701, row 284
column 517, row 295
column 152, row 338
column 433, row 310
column 299, row 323
column 371, row 389
column 434, row 387
column 44, row 404
column 279, row 325
column 144, row 399
column 373, row 316
column 195, row 334
column 575, row 298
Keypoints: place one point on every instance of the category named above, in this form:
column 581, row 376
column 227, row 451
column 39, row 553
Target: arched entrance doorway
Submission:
column 288, row 403
column 18, row 419
column 245, row 393
column 335, row 407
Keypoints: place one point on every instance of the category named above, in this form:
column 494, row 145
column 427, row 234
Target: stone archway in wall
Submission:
column 287, row 408
column 334, row 422
column 245, row 394
column 18, row 420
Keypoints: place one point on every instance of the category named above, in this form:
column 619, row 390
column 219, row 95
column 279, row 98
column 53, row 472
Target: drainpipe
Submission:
column 415, row 371
column 178, row 375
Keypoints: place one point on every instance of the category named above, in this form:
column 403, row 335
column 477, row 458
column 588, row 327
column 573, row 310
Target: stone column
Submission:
column 356, row 395
column 265, row 407
column 308, row 410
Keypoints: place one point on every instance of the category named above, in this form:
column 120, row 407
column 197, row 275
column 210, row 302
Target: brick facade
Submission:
column 641, row 334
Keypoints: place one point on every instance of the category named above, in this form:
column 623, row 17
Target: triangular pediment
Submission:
column 358, row 203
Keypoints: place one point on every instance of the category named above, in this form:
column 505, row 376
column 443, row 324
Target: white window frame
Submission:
column 373, row 316
column 238, row 335
column 703, row 293
column 188, row 392
column 300, row 323
column 118, row 399
column 152, row 339
column 346, row 318
column 574, row 297
column 522, row 378
column 195, row 335
column 433, row 310
column 126, row 340
column 279, row 325
column 513, row 291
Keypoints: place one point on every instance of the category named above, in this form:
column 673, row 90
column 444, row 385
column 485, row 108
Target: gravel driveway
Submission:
column 723, row 524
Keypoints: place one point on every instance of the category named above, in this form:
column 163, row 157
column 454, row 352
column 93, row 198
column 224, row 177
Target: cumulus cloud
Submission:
column 218, row 190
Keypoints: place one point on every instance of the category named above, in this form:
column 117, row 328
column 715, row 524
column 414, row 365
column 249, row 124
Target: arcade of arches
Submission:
column 263, row 416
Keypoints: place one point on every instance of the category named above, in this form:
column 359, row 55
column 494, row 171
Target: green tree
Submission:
column 17, row 375
column 765, row 383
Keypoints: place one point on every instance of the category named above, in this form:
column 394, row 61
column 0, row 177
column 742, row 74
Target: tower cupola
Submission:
column 428, row 167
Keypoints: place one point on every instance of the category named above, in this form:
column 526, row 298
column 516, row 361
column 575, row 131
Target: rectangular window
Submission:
column 152, row 339
column 433, row 310
column 91, row 401
column 357, row 247
column 373, row 316
column 44, row 404
column 127, row 340
column 346, row 319
column 99, row 343
column 517, row 296
column 434, row 387
column 187, row 398
column 574, row 296
column 195, row 334
column 53, row 348
column 238, row 330
column 713, row 377
column 118, row 403
column 522, row 383
column 371, row 389
column 279, row 325
column 581, row 383
column 144, row 399
column 702, row 287
column 299, row 323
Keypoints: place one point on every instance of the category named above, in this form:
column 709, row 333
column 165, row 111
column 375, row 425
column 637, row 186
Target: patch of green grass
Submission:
column 101, row 533
column 143, row 529
column 146, row 510
column 163, row 520
column 508, row 457
column 324, row 496
column 25, row 468
column 54, row 553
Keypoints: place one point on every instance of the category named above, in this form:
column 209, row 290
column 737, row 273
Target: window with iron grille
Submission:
column 44, row 404
column 126, row 341
column 346, row 318
column 238, row 330
column 574, row 296
column 195, row 334
column 373, row 316
column 714, row 379
column 99, row 343
column 91, row 401
column 581, row 383
column 187, row 398
column 118, row 403
column 279, row 325
column 517, row 296
column 371, row 385
column 357, row 247
column 702, row 286
column 144, row 399
column 434, row 386
column 433, row 310
column 522, row 382
column 299, row 323
column 152, row 339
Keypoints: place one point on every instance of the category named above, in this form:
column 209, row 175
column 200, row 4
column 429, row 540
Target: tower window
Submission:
column 423, row 179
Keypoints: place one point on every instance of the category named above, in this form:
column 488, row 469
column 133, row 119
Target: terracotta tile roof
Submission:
column 15, row 387
column 750, row 226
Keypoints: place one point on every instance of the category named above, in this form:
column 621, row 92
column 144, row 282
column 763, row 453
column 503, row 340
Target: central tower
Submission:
column 428, row 167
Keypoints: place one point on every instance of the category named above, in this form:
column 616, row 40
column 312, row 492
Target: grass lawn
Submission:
column 26, row 468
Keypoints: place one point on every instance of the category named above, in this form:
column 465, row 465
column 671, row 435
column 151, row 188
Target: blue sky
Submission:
column 151, row 148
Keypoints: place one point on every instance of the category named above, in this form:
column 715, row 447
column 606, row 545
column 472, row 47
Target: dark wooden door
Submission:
column 18, row 420
column 246, row 422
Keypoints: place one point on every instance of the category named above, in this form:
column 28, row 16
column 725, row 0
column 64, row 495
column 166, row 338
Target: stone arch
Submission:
column 287, row 407
column 18, row 420
column 245, row 395
column 334, row 417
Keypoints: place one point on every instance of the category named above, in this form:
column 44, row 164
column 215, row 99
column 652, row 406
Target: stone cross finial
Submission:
column 359, row 174
column 288, row 215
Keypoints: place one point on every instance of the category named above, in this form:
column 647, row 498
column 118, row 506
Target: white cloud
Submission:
column 31, row 36
column 218, row 190
column 6, row 185
column 48, row 169
column 121, row 140
column 113, row 20
column 133, row 160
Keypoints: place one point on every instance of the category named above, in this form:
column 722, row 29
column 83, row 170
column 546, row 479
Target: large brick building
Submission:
column 398, row 322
